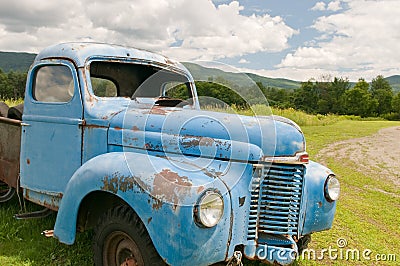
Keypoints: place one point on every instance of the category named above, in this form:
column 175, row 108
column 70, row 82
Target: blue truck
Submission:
column 103, row 141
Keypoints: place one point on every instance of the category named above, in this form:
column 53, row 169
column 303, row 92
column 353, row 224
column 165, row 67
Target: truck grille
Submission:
column 275, row 200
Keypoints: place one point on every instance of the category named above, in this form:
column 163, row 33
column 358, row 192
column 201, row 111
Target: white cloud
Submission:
column 331, row 6
column 182, row 29
column 319, row 6
column 334, row 6
column 363, row 40
column 243, row 61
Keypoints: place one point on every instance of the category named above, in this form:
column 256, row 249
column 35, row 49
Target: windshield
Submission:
column 143, row 83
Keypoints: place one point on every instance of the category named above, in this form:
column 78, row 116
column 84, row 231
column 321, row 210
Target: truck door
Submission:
column 51, row 133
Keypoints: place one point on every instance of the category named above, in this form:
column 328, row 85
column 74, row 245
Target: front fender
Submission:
column 163, row 193
column 318, row 212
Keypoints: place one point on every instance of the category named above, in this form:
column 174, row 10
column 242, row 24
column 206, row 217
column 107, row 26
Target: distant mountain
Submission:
column 22, row 61
column 394, row 81
column 239, row 79
column 16, row 61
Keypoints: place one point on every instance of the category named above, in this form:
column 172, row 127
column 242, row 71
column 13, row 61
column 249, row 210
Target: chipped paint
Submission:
column 118, row 182
column 170, row 187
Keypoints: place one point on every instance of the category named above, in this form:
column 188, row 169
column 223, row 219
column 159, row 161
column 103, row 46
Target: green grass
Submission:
column 21, row 242
column 13, row 102
column 301, row 118
column 366, row 217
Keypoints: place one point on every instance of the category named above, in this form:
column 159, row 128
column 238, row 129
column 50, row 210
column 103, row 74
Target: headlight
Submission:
column 210, row 209
column 332, row 188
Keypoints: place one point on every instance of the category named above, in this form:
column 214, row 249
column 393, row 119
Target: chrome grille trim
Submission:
column 276, row 191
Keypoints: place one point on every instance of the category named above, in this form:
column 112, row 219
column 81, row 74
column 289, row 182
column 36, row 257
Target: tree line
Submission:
column 336, row 96
column 375, row 99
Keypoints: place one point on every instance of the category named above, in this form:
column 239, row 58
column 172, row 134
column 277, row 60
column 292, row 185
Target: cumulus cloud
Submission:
column 334, row 6
column 362, row 39
column 319, row 6
column 331, row 6
column 183, row 29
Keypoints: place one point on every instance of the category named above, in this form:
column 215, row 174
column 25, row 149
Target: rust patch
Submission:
column 122, row 183
column 157, row 111
column 193, row 142
column 117, row 128
column 200, row 189
column 135, row 128
column 206, row 141
column 242, row 201
column 28, row 161
column 170, row 187
column 89, row 126
column 157, row 204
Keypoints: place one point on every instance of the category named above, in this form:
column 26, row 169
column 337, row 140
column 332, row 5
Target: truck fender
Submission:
column 160, row 190
column 317, row 211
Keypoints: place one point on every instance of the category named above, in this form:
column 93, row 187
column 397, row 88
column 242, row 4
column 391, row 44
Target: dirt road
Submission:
column 377, row 155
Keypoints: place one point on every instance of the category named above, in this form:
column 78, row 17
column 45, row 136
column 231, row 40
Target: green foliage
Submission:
column 358, row 101
column 209, row 91
column 383, row 93
column 12, row 85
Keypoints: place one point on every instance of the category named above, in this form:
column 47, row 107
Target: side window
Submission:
column 53, row 84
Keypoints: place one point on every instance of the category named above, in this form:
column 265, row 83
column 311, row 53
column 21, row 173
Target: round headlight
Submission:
column 332, row 188
column 210, row 209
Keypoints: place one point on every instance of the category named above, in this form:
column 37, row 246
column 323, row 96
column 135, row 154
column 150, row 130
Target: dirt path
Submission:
column 378, row 154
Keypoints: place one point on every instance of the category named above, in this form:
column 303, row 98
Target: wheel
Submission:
column 120, row 238
column 6, row 192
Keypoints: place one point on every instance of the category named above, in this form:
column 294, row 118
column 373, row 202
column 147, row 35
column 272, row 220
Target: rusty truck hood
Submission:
column 205, row 133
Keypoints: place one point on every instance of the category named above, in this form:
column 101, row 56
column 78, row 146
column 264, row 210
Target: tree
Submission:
column 306, row 97
column 337, row 89
column 383, row 93
column 12, row 85
column 358, row 100
column 396, row 103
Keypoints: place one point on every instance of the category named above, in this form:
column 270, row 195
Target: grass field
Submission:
column 365, row 219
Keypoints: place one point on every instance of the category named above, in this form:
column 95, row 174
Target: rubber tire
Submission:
column 120, row 235
column 8, row 194
column 16, row 112
column 3, row 109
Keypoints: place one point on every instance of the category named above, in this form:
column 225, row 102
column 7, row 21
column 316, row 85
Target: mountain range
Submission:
column 17, row 61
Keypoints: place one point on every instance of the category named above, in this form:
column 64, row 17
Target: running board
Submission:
column 34, row 215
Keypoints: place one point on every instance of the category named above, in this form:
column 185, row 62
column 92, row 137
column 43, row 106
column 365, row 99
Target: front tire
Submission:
column 120, row 238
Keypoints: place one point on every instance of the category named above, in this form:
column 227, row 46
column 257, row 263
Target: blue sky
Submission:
column 295, row 39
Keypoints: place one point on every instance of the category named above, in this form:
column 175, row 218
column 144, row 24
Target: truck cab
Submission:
column 113, row 139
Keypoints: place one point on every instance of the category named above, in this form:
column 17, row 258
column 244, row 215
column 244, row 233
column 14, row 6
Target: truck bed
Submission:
column 10, row 147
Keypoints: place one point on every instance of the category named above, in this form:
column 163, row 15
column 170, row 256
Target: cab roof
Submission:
column 80, row 52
